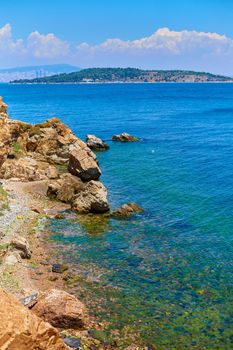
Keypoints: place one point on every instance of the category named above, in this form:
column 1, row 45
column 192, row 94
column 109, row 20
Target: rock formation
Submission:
column 50, row 151
column 20, row 329
column 124, row 137
column 95, row 143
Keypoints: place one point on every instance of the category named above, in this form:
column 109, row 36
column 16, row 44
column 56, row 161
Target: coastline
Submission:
column 24, row 217
column 27, row 277
column 126, row 82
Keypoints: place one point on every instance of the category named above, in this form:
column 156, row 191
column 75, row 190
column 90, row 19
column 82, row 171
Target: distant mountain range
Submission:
column 126, row 75
column 33, row 72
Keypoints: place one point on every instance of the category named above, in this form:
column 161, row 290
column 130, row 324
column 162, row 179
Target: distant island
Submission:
column 126, row 75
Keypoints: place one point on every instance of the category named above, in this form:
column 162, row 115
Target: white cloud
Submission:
column 167, row 41
column 7, row 44
column 164, row 49
column 37, row 47
column 47, row 46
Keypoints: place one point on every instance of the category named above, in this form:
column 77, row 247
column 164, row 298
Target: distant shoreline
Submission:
column 125, row 82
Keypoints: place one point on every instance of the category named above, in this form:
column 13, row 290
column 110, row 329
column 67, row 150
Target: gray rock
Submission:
column 95, row 143
column 93, row 199
column 21, row 244
column 30, row 300
column 59, row 268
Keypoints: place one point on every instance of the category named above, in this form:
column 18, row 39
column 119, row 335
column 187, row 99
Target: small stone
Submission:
column 44, row 262
column 53, row 278
column 38, row 210
column 59, row 268
column 30, row 300
column 59, row 216
column 72, row 342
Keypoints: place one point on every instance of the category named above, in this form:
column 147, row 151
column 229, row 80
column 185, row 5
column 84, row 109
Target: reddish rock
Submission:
column 20, row 329
column 61, row 309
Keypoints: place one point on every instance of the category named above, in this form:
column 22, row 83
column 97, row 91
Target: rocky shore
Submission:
column 44, row 170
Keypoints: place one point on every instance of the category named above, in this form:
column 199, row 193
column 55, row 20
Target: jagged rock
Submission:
column 27, row 169
column 127, row 210
column 95, row 143
column 21, row 244
column 92, row 199
column 65, row 188
column 20, row 329
column 124, row 137
column 83, row 166
column 61, row 309
column 30, row 300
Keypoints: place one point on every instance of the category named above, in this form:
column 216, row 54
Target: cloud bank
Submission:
column 164, row 49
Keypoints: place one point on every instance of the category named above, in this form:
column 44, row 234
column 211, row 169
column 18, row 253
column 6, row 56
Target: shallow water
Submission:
column 165, row 274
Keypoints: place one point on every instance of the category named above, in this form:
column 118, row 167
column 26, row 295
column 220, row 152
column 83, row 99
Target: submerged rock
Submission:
column 61, row 309
column 124, row 137
column 127, row 210
column 95, row 143
column 93, row 199
column 20, row 329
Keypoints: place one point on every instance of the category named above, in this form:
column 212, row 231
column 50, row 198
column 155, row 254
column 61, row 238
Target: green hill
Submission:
column 105, row 75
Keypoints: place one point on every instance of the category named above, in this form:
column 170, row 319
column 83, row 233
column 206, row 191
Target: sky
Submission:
column 150, row 34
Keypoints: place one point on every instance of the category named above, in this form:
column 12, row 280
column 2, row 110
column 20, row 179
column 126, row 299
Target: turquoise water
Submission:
column 164, row 275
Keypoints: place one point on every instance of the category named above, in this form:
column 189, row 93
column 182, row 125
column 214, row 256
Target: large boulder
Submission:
column 124, row 137
column 20, row 329
column 22, row 245
column 93, row 199
column 83, row 165
column 61, row 309
column 95, row 143
column 65, row 188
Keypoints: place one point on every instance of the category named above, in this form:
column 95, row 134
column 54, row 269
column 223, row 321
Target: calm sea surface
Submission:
column 164, row 275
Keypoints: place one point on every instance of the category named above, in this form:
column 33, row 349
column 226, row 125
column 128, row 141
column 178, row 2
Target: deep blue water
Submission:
column 169, row 269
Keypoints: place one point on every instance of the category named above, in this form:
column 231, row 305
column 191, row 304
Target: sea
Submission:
column 163, row 278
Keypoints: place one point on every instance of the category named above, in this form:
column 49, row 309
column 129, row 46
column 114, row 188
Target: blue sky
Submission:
column 177, row 33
